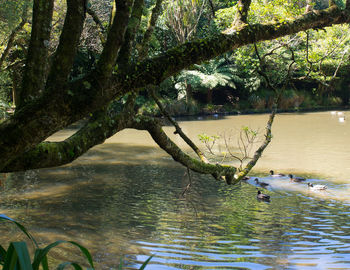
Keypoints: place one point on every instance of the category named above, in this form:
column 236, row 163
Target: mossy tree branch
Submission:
column 178, row 129
column 242, row 13
column 67, row 47
column 115, row 38
column 11, row 39
column 101, row 126
column 143, row 52
column 155, row 70
column 260, row 150
column 98, row 22
column 154, row 128
column 133, row 25
column 36, row 64
column 44, row 116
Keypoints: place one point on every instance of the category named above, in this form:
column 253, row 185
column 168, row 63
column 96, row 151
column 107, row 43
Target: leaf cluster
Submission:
column 17, row 255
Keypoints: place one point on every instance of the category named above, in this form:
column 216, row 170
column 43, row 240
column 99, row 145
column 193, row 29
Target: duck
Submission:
column 295, row 178
column 341, row 119
column 277, row 174
column 262, row 184
column 316, row 187
column 263, row 197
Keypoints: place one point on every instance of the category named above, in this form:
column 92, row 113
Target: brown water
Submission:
column 124, row 198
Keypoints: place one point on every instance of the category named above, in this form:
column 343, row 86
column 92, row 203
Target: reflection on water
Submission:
column 120, row 199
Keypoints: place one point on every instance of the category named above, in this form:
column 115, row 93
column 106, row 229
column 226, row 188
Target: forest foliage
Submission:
column 321, row 56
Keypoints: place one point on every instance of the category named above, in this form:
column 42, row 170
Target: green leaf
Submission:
column 44, row 262
column 143, row 266
column 85, row 252
column 43, row 252
column 17, row 257
column 23, row 255
column 10, row 259
column 21, row 227
column 2, row 255
column 121, row 264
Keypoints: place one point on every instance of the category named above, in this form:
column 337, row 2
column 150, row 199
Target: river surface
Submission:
column 127, row 198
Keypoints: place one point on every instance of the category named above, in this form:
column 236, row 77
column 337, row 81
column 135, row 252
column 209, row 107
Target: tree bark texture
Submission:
column 36, row 64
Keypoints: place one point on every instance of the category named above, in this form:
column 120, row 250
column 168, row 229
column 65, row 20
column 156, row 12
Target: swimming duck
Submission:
column 295, row 178
column 316, row 187
column 276, row 175
column 263, row 197
column 262, row 184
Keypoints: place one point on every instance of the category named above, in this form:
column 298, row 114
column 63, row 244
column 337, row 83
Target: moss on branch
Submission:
column 154, row 128
column 51, row 154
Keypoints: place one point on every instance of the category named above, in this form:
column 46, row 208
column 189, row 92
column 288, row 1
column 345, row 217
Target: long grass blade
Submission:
column 85, row 252
column 40, row 254
column 21, row 227
column 121, row 264
column 143, row 266
column 2, row 254
column 43, row 252
column 44, row 262
column 10, row 259
column 23, row 255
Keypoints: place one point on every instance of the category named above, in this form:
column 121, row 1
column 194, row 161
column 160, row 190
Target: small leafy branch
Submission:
column 240, row 150
column 209, row 141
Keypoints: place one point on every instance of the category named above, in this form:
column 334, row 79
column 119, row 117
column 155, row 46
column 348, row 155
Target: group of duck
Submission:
column 292, row 178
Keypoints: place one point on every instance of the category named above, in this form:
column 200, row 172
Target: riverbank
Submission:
column 217, row 110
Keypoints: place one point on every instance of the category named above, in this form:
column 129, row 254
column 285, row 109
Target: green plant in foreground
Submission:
column 17, row 257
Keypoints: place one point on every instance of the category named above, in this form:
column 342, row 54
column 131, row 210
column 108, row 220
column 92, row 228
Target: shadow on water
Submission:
column 121, row 199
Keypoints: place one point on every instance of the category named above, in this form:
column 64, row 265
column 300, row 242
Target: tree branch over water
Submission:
column 72, row 101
